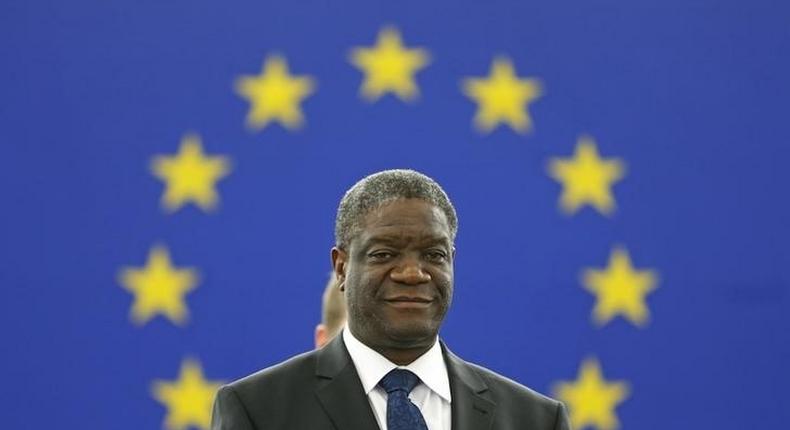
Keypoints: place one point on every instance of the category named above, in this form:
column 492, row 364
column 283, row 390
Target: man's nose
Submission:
column 410, row 272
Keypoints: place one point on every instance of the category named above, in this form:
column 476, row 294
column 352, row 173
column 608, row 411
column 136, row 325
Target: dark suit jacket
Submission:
column 320, row 390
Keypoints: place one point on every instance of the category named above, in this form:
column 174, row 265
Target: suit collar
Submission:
column 340, row 391
column 471, row 407
column 332, row 359
column 342, row 397
column 371, row 366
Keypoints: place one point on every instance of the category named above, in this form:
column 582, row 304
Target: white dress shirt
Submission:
column 431, row 395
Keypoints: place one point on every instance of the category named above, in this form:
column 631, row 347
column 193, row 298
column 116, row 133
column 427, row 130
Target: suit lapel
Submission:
column 471, row 410
column 340, row 390
column 342, row 397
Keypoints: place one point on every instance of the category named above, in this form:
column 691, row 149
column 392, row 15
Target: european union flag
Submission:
column 171, row 172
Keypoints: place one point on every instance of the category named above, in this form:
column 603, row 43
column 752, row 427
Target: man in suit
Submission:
column 388, row 370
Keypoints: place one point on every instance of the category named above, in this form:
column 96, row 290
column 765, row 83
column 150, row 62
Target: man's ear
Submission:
column 339, row 261
column 321, row 335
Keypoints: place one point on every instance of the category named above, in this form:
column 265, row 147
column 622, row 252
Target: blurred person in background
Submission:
column 333, row 312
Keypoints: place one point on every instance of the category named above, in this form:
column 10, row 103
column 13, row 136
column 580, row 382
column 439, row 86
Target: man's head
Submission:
column 383, row 187
column 393, row 257
column 333, row 312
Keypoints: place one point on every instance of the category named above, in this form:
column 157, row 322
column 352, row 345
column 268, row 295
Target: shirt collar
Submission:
column 372, row 366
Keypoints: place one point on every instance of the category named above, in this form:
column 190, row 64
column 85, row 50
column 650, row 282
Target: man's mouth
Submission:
column 404, row 302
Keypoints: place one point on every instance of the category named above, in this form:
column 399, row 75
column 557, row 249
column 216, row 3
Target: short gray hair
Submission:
column 381, row 188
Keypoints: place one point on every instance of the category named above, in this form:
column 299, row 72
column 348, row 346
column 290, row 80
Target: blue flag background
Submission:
column 689, row 97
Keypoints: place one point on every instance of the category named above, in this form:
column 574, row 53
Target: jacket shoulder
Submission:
column 295, row 373
column 520, row 404
column 498, row 382
column 277, row 397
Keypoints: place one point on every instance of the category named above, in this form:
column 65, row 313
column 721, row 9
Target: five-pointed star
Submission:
column 190, row 176
column 591, row 399
column 275, row 95
column 158, row 288
column 502, row 97
column 586, row 178
column 389, row 67
column 620, row 290
column 188, row 400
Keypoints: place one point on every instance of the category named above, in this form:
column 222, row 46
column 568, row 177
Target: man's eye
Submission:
column 436, row 256
column 380, row 255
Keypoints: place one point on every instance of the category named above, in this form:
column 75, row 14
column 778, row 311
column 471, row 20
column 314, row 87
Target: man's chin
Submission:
column 412, row 334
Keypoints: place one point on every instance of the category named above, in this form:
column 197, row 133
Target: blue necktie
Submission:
column 402, row 414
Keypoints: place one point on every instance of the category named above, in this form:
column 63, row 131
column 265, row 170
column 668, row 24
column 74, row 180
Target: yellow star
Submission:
column 158, row 288
column 388, row 67
column 502, row 97
column 620, row 290
column 190, row 175
column 188, row 400
column 586, row 178
column 274, row 95
column 591, row 399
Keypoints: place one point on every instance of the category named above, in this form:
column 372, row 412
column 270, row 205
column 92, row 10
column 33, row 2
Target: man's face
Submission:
column 398, row 275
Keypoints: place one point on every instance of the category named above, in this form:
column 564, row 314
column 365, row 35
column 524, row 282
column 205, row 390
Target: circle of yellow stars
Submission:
column 503, row 98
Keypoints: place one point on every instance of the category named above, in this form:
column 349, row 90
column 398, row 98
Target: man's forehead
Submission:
column 405, row 213
column 404, row 207
column 424, row 238
column 404, row 219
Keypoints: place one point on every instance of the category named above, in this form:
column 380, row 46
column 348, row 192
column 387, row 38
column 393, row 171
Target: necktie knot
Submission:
column 402, row 414
column 399, row 380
